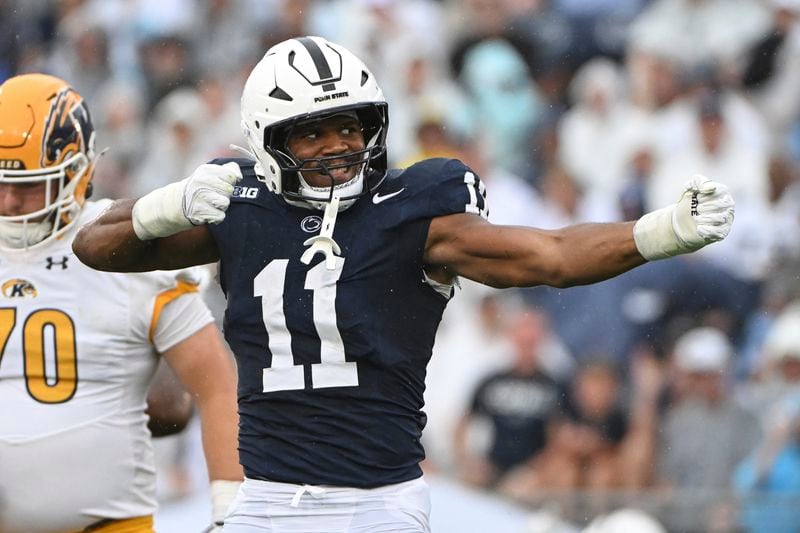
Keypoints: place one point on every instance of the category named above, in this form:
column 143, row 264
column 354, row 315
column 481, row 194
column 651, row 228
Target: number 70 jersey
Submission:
column 332, row 360
column 77, row 350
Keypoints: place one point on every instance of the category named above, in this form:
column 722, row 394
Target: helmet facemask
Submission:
column 367, row 164
column 65, row 188
column 310, row 78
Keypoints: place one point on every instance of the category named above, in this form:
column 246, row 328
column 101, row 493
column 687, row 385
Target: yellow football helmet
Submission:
column 46, row 136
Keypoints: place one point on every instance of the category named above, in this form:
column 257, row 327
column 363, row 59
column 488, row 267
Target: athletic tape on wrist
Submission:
column 160, row 213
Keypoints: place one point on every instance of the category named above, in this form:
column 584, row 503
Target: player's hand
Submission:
column 703, row 215
column 202, row 198
column 223, row 493
column 207, row 192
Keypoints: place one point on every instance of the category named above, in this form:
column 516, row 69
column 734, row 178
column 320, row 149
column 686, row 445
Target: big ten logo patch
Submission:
column 245, row 192
column 18, row 288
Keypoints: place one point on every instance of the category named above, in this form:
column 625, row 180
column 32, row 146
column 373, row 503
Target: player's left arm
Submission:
column 505, row 256
column 511, row 256
column 206, row 369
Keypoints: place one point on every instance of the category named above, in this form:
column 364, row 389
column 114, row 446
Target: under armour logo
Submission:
column 51, row 262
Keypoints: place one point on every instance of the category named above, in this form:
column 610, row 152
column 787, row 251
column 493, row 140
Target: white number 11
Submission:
column 284, row 374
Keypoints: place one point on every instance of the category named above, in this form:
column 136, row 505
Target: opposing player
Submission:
column 79, row 346
column 337, row 272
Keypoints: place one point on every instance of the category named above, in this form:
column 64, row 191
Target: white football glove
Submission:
column 703, row 215
column 202, row 198
column 222, row 495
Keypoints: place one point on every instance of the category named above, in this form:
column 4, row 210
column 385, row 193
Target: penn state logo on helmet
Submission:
column 18, row 288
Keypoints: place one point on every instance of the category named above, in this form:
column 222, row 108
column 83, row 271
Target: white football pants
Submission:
column 266, row 506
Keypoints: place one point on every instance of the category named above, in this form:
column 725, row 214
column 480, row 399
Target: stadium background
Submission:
column 571, row 111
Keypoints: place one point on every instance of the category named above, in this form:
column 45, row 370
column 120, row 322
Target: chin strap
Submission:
column 324, row 243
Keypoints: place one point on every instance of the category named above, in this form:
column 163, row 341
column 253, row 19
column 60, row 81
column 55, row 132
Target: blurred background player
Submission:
column 80, row 347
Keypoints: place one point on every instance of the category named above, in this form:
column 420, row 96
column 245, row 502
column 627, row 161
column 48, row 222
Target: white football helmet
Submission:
column 311, row 78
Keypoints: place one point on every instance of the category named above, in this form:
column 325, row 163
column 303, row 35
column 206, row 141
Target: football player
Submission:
column 337, row 271
column 79, row 347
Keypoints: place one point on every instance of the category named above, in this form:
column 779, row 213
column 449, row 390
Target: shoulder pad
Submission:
column 247, row 165
column 439, row 187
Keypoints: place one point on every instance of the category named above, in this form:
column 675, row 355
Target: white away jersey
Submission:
column 78, row 351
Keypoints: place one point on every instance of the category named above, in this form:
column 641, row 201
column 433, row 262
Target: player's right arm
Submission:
column 110, row 243
column 163, row 230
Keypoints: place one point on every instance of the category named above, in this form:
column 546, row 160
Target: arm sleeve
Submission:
column 180, row 318
column 168, row 307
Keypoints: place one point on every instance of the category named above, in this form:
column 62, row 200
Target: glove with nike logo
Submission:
column 202, row 198
column 703, row 215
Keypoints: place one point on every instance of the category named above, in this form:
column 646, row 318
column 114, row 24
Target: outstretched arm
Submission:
column 165, row 229
column 510, row 256
column 507, row 256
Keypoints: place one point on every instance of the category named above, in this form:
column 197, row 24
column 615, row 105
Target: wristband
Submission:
column 654, row 236
column 160, row 213
column 223, row 493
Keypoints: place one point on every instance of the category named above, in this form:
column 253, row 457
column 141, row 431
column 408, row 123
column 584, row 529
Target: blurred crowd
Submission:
column 674, row 388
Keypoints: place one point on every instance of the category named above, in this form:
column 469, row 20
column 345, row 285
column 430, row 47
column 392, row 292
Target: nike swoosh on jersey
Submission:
column 378, row 198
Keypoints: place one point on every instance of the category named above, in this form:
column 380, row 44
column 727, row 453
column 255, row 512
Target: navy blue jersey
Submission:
column 332, row 362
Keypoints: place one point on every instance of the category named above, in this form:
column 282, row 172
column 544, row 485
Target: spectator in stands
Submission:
column 780, row 289
column 769, row 479
column 780, row 369
column 771, row 73
column 599, row 134
column 503, row 104
column 518, row 402
column 167, row 64
column 705, row 433
column 721, row 30
column 587, row 444
column 173, row 139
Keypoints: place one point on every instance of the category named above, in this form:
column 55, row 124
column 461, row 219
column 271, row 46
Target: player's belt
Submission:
column 262, row 478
